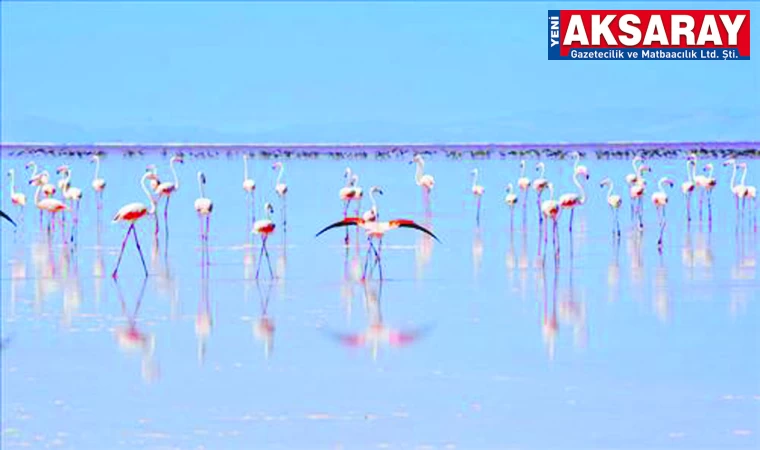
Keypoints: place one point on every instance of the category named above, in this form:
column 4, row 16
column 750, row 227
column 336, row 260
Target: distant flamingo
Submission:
column 166, row 189
column 63, row 182
column 573, row 200
column 131, row 213
column 376, row 230
column 551, row 210
column 265, row 227
column 98, row 184
column 47, row 188
column 72, row 194
column 35, row 180
column 539, row 184
column 709, row 184
column 523, row 183
column 347, row 193
column 371, row 215
column 425, row 181
column 203, row 206
column 511, row 200
column 739, row 190
column 614, row 201
column 51, row 205
column 687, row 187
column 17, row 198
column 249, row 186
column 577, row 167
column 700, row 181
column 477, row 191
column 636, row 193
column 749, row 192
column 660, row 199
column 633, row 178
column 281, row 189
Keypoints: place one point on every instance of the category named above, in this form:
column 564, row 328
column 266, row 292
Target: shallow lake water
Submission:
column 475, row 342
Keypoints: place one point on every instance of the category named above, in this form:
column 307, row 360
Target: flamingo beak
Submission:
column 380, row 191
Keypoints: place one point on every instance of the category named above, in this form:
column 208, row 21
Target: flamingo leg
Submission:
column 525, row 205
column 477, row 214
column 253, row 206
column 139, row 250
column 266, row 254
column 538, row 203
column 284, row 214
column 121, row 253
column 261, row 256
column 572, row 214
column 366, row 259
column 688, row 208
column 709, row 210
column 701, row 198
column 555, row 235
column 617, row 221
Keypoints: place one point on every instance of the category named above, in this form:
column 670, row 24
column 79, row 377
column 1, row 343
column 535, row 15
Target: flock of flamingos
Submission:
column 548, row 210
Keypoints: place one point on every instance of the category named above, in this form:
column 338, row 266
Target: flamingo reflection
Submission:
column 203, row 320
column 263, row 327
column 477, row 252
column 549, row 324
column 132, row 340
column 377, row 333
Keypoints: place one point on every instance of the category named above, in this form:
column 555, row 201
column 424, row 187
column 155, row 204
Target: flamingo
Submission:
column 739, row 190
column 377, row 230
column 578, row 168
column 17, row 198
column 573, row 200
column 700, row 181
column 614, row 201
column 281, row 189
column 371, row 215
column 249, row 186
column 660, row 199
column 477, row 191
column 347, row 193
column 63, row 182
column 203, row 206
column 749, row 192
column 265, row 227
column 98, row 184
column 709, row 184
column 72, row 194
column 539, row 184
column 687, row 187
column 425, row 181
column 524, row 184
column 131, row 213
column 51, row 205
column 511, row 201
column 551, row 210
column 636, row 192
column 166, row 189
column 633, row 178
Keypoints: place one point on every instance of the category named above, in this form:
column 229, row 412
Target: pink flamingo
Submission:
column 281, row 189
column 687, row 187
column 203, row 206
column 350, row 192
column 98, row 184
column 633, row 178
column 636, row 192
column 539, row 184
column 477, row 191
column 577, row 167
column 371, row 215
column 700, row 181
column 573, row 200
column 709, row 184
column 425, row 181
column 739, row 190
column 130, row 214
column 35, row 179
column 377, row 230
column 265, row 227
column 614, row 201
column 550, row 209
column 18, row 199
column 660, row 199
column 749, row 192
column 166, row 189
column 72, row 194
column 523, row 183
column 51, row 205
column 511, row 200
column 249, row 186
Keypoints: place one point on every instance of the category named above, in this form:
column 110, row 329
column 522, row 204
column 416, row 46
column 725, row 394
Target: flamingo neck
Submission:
column 577, row 157
column 633, row 164
column 474, row 178
column 543, row 168
column 710, row 174
column 609, row 191
column 13, row 182
column 269, row 214
column 349, row 177
column 34, row 168
column 200, row 186
column 551, row 192
column 67, row 179
column 174, row 172
column 744, row 175
column 97, row 168
column 660, row 185
column 279, row 176
column 522, row 168
column 691, row 172
column 37, row 195
column 372, row 199
column 580, row 188
column 418, row 173
column 245, row 167
column 147, row 194
column 733, row 175
column 509, row 188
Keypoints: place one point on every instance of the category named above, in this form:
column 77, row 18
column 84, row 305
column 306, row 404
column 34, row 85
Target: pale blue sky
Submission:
column 298, row 72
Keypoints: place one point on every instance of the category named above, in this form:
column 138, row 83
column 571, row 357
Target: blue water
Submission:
column 613, row 346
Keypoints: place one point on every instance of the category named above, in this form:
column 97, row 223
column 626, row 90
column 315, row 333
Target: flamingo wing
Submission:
column 7, row 217
column 405, row 223
column 347, row 222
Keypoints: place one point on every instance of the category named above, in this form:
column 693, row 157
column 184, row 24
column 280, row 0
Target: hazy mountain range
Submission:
column 537, row 126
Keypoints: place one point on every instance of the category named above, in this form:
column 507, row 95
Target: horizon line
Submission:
column 367, row 144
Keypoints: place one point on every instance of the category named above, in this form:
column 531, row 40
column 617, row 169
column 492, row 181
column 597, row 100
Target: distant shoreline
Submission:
column 479, row 150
